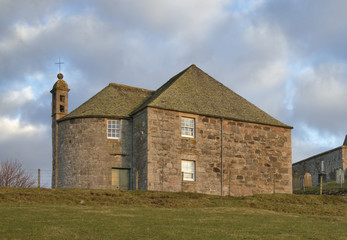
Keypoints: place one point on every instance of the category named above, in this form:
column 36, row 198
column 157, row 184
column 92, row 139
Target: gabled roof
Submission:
column 115, row 100
column 194, row 91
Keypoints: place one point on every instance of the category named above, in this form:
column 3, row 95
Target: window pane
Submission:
column 187, row 127
column 188, row 169
column 113, row 128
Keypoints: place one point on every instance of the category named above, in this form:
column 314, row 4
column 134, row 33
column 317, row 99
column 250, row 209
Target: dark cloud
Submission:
column 315, row 28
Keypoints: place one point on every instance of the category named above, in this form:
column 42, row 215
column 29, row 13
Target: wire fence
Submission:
column 43, row 177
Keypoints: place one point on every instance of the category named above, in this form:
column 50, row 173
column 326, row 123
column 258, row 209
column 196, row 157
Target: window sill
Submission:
column 187, row 136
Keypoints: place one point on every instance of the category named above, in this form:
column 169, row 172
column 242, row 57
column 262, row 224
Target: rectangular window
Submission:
column 188, row 170
column 113, row 129
column 187, row 126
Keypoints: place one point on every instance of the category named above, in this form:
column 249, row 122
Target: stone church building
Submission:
column 193, row 134
column 328, row 164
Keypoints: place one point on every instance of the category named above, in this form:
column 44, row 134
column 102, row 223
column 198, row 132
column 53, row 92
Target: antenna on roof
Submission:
column 60, row 63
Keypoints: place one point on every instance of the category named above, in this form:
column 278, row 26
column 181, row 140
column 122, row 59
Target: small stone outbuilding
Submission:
column 326, row 164
column 192, row 134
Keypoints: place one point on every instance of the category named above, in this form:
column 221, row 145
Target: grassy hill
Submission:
column 107, row 214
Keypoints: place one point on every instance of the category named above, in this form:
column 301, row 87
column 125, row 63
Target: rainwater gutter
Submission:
column 221, row 156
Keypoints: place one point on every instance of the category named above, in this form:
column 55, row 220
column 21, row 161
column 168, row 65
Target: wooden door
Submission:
column 120, row 178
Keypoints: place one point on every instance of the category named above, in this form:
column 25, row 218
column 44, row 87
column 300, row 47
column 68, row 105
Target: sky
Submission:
column 288, row 57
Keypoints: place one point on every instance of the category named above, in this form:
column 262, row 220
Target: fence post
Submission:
column 38, row 178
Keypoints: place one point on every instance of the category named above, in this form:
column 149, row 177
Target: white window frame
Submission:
column 114, row 129
column 188, row 126
column 188, row 170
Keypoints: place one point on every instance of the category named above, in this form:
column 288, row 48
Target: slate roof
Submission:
column 115, row 100
column 194, row 91
column 190, row 91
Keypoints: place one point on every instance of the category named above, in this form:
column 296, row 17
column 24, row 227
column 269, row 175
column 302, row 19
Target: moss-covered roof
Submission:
column 190, row 91
column 194, row 91
column 115, row 100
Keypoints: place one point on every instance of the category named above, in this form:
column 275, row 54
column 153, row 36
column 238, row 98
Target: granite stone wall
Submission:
column 332, row 161
column 256, row 158
column 231, row 158
column 86, row 157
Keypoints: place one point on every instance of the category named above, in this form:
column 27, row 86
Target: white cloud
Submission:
column 12, row 100
column 17, row 97
column 14, row 128
column 320, row 95
column 188, row 20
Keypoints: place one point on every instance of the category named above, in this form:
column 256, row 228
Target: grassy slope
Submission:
column 58, row 214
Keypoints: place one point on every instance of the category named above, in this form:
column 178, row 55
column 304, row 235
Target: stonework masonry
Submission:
column 256, row 158
column 89, row 156
column 332, row 160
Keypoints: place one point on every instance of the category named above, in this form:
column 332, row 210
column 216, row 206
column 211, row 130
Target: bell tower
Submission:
column 59, row 98
column 59, row 92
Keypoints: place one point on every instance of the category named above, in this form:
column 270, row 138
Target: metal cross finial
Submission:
column 59, row 64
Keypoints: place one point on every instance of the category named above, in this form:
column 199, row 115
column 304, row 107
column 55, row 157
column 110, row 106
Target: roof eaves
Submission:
column 93, row 116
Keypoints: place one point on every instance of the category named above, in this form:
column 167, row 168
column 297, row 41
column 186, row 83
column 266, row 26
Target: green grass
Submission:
column 105, row 214
column 328, row 188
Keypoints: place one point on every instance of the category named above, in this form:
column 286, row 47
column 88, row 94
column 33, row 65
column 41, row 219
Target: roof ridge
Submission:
column 192, row 77
column 129, row 87
column 162, row 89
